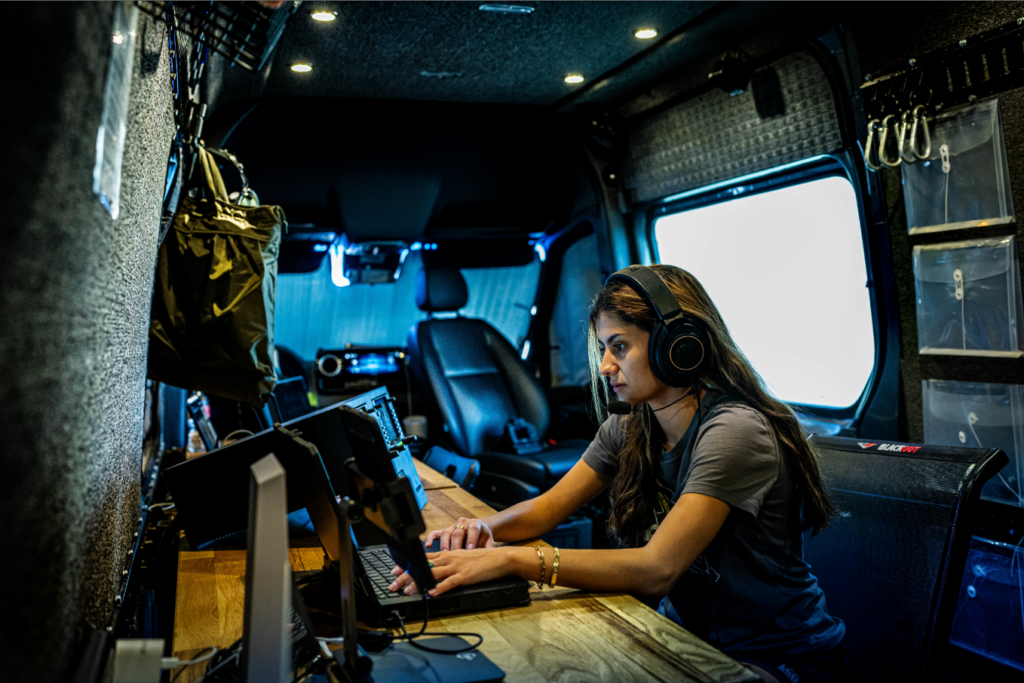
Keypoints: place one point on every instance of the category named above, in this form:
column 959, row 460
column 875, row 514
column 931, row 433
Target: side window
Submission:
column 786, row 268
column 579, row 282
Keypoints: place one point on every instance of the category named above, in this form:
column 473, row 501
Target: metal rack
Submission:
column 973, row 68
column 243, row 32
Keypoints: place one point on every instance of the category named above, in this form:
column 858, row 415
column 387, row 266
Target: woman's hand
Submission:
column 457, row 568
column 463, row 533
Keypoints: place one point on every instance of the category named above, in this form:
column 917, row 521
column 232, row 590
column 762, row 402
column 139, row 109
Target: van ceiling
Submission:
column 454, row 52
column 374, row 142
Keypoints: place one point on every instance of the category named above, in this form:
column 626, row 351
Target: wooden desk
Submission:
column 431, row 478
column 564, row 635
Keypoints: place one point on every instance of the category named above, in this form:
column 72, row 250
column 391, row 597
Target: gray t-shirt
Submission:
column 750, row 589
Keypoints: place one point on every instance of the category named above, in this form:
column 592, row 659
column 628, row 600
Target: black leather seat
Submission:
column 891, row 569
column 475, row 382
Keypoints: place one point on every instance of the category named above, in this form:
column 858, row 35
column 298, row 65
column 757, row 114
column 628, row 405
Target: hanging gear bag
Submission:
column 212, row 327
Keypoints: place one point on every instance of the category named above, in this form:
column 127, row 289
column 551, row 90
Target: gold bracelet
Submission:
column 554, row 571
column 543, row 566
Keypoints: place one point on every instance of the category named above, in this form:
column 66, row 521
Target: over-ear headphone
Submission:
column 679, row 349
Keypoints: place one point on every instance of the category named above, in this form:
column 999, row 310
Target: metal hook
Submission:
column 869, row 146
column 920, row 117
column 882, row 139
column 901, row 137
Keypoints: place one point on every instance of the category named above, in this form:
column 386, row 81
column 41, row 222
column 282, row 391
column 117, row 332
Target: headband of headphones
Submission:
column 652, row 289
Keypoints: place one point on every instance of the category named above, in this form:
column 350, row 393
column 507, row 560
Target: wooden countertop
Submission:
column 564, row 635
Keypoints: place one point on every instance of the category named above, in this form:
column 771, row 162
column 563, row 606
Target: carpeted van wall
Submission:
column 76, row 290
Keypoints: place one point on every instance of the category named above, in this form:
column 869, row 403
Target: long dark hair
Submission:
column 729, row 372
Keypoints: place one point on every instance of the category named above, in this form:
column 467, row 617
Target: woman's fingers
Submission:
column 431, row 537
column 446, row 537
column 472, row 535
column 446, row 585
column 403, row 583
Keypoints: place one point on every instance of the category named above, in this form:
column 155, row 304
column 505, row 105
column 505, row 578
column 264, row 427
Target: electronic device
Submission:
column 357, row 369
column 374, row 554
column 679, row 348
column 211, row 491
column 195, row 404
column 386, row 500
column 266, row 641
column 289, row 400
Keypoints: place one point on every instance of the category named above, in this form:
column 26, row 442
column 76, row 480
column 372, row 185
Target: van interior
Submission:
column 455, row 182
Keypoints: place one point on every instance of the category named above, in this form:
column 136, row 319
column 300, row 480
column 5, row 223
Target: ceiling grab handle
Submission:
column 869, row 146
column 883, row 138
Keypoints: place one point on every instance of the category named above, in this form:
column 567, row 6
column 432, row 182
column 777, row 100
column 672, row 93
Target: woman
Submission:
column 712, row 482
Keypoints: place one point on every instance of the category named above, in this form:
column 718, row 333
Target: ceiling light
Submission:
column 324, row 15
column 301, row 68
column 574, row 78
column 646, row 33
column 507, row 9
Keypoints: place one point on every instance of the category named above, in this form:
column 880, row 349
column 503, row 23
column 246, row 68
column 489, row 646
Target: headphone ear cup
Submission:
column 656, row 354
column 683, row 353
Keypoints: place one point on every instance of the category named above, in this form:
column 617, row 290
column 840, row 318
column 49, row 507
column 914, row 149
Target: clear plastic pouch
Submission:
column 989, row 617
column 969, row 298
column 980, row 415
column 964, row 182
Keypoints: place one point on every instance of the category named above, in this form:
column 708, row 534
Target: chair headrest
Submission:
column 440, row 289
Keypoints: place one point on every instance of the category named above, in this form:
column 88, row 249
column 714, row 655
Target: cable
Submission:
column 161, row 506
column 172, row 662
column 423, row 632
column 237, row 431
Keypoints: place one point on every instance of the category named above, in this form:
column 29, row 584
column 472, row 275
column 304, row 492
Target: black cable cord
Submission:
column 423, row 632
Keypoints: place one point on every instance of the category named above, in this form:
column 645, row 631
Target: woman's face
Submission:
column 624, row 362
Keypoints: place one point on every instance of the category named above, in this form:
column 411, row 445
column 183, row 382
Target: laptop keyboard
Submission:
column 377, row 564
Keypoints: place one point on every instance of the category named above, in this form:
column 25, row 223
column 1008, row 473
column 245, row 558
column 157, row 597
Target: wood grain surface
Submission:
column 431, row 478
column 565, row 635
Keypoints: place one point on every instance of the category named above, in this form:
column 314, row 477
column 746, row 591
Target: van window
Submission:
column 786, row 268
column 313, row 313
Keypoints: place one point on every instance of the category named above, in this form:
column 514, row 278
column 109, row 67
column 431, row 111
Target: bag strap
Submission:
column 214, row 180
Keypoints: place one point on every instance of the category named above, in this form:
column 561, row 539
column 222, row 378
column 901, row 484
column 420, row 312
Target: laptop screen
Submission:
column 291, row 399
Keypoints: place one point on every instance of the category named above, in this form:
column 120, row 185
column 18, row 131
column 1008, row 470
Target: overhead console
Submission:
column 355, row 370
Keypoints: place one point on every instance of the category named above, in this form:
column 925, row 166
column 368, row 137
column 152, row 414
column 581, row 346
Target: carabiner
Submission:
column 869, row 146
column 920, row 117
column 882, row 139
column 901, row 137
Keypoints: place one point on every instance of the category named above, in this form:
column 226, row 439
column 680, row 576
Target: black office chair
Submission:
column 473, row 383
column 463, row 471
column 891, row 568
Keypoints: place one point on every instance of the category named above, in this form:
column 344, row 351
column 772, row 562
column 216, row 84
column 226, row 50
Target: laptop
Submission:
column 375, row 556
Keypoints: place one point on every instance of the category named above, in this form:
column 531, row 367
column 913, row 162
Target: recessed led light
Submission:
column 324, row 15
column 301, row 68
column 646, row 33
column 574, row 78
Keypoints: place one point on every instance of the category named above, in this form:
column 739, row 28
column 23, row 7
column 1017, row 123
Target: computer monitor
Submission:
column 266, row 641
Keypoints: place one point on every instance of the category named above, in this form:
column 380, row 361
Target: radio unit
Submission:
column 355, row 370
